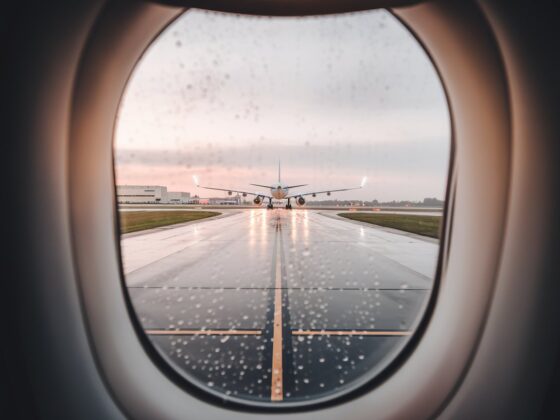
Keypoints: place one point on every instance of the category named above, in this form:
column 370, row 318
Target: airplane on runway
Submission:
column 279, row 191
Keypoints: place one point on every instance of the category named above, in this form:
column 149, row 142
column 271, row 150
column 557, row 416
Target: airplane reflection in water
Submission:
column 279, row 191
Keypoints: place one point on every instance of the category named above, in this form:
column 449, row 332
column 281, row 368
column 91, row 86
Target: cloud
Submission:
column 408, row 157
column 334, row 97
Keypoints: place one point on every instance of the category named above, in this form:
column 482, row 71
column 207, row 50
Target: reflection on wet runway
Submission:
column 344, row 297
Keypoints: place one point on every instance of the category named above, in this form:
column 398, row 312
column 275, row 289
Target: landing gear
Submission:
column 288, row 206
column 269, row 205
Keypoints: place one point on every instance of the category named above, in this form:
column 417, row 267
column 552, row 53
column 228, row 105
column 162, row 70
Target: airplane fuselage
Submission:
column 279, row 192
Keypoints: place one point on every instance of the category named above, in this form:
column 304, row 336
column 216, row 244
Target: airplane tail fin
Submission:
column 278, row 171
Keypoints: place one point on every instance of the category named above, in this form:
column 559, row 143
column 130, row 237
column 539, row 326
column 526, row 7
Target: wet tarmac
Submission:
column 280, row 306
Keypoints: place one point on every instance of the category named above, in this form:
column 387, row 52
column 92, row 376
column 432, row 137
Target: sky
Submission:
column 334, row 98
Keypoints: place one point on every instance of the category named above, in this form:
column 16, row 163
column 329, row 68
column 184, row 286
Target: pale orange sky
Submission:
column 335, row 98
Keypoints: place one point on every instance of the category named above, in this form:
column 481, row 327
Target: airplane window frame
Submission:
column 401, row 352
column 88, row 270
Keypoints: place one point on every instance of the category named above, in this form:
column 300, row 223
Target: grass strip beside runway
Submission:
column 421, row 225
column 134, row 221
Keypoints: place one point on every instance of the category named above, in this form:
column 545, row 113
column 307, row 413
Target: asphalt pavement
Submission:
column 277, row 305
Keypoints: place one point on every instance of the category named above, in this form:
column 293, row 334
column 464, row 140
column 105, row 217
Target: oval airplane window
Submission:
column 280, row 187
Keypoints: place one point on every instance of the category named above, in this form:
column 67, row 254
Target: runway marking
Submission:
column 320, row 289
column 277, row 386
column 203, row 332
column 351, row 332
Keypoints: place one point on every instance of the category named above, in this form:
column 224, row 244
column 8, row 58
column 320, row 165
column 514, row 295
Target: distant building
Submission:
column 224, row 201
column 178, row 197
column 141, row 194
column 151, row 194
column 197, row 200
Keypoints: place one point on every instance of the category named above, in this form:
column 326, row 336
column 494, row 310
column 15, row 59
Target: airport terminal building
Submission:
column 178, row 197
column 224, row 201
column 150, row 194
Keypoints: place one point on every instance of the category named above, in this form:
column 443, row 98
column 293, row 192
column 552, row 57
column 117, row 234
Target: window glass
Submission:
column 280, row 185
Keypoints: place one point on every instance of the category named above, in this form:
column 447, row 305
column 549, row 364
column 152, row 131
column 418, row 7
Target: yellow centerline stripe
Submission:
column 277, row 386
column 202, row 332
column 354, row 332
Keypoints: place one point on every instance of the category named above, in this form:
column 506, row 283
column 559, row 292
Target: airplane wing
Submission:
column 272, row 187
column 244, row 193
column 314, row 193
column 236, row 191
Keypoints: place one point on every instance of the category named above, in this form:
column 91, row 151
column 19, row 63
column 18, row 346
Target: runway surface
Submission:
column 278, row 305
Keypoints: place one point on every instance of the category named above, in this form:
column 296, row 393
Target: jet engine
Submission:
column 257, row 200
column 300, row 201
